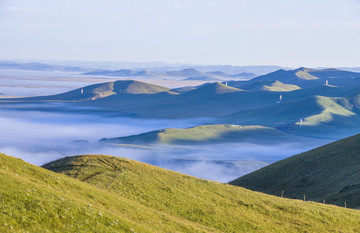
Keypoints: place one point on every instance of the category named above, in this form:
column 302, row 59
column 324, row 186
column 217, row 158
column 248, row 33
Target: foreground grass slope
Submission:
column 220, row 207
column 330, row 173
column 111, row 194
column 33, row 199
column 205, row 134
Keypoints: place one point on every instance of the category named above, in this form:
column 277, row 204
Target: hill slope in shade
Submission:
column 330, row 173
column 209, row 206
column 206, row 134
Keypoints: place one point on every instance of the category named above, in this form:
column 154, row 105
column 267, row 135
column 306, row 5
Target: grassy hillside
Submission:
column 112, row 88
column 279, row 86
column 321, row 116
column 34, row 199
column 213, row 206
column 330, row 173
column 205, row 134
column 111, row 194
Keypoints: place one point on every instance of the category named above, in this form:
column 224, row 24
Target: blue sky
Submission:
column 238, row 32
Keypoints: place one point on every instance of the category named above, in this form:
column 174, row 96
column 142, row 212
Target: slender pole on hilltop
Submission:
column 282, row 193
column 82, row 91
column 304, row 198
column 324, row 202
column 345, row 204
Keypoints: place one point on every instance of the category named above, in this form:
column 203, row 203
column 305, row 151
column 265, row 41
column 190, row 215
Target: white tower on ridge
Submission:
column 327, row 82
column 82, row 91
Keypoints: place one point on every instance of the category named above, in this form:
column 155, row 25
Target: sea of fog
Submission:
column 40, row 137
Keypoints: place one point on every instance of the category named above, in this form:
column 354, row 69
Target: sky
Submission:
column 312, row 33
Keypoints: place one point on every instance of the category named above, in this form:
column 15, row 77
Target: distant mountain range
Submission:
column 133, row 69
column 307, row 102
column 186, row 74
column 35, row 66
column 87, row 66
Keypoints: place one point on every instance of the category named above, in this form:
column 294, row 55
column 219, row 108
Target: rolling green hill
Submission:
column 206, row 134
column 110, row 194
column 321, row 117
column 279, row 86
column 329, row 173
column 101, row 90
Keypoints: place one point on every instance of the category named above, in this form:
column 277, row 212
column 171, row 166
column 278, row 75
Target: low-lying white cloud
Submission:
column 42, row 137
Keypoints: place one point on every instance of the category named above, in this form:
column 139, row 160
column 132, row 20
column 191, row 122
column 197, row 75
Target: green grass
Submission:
column 329, row 108
column 330, row 173
column 110, row 194
column 205, row 134
column 280, row 87
column 305, row 74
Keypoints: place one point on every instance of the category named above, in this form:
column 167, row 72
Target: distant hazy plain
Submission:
column 35, row 83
